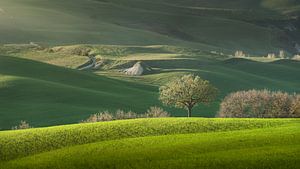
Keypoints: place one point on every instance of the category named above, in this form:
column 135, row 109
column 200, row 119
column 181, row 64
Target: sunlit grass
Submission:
column 239, row 143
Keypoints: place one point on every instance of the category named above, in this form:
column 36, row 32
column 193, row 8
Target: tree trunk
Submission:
column 189, row 111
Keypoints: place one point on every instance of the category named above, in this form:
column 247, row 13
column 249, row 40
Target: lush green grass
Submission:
column 208, row 143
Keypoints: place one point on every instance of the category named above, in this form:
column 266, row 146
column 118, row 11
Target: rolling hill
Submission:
column 156, row 143
column 51, row 93
column 48, row 95
column 61, row 61
column 172, row 37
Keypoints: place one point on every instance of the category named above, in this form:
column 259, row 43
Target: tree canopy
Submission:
column 187, row 91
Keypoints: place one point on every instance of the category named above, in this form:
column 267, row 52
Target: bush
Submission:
column 98, row 117
column 295, row 106
column 260, row 104
column 239, row 54
column 22, row 125
column 120, row 114
column 81, row 51
column 155, row 112
column 152, row 112
column 296, row 57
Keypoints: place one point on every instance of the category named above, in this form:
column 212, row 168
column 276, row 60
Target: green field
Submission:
column 156, row 143
column 38, row 86
column 63, row 60
column 38, row 83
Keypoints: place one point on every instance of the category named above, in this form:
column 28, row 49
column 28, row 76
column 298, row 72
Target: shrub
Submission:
column 81, row 51
column 260, row 103
column 22, row 125
column 120, row 114
column 271, row 56
column 239, row 54
column 296, row 57
column 98, row 117
column 281, row 54
column 154, row 112
column 295, row 106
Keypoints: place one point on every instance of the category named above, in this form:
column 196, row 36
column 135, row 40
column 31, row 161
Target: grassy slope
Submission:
column 202, row 24
column 251, row 143
column 47, row 95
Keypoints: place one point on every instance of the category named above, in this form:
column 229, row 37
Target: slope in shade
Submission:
column 47, row 95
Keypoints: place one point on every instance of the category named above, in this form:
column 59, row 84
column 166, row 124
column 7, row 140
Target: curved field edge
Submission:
column 273, row 147
column 21, row 143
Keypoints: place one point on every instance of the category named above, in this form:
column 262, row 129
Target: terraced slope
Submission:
column 255, row 26
column 156, row 143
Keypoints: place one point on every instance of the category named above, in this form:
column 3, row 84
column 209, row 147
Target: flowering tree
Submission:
column 187, row 91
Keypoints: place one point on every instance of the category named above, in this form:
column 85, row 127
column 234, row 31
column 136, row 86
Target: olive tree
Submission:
column 186, row 92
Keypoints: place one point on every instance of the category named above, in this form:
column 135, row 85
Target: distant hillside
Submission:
column 256, row 26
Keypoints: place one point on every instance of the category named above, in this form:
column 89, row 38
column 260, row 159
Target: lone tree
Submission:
column 187, row 91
